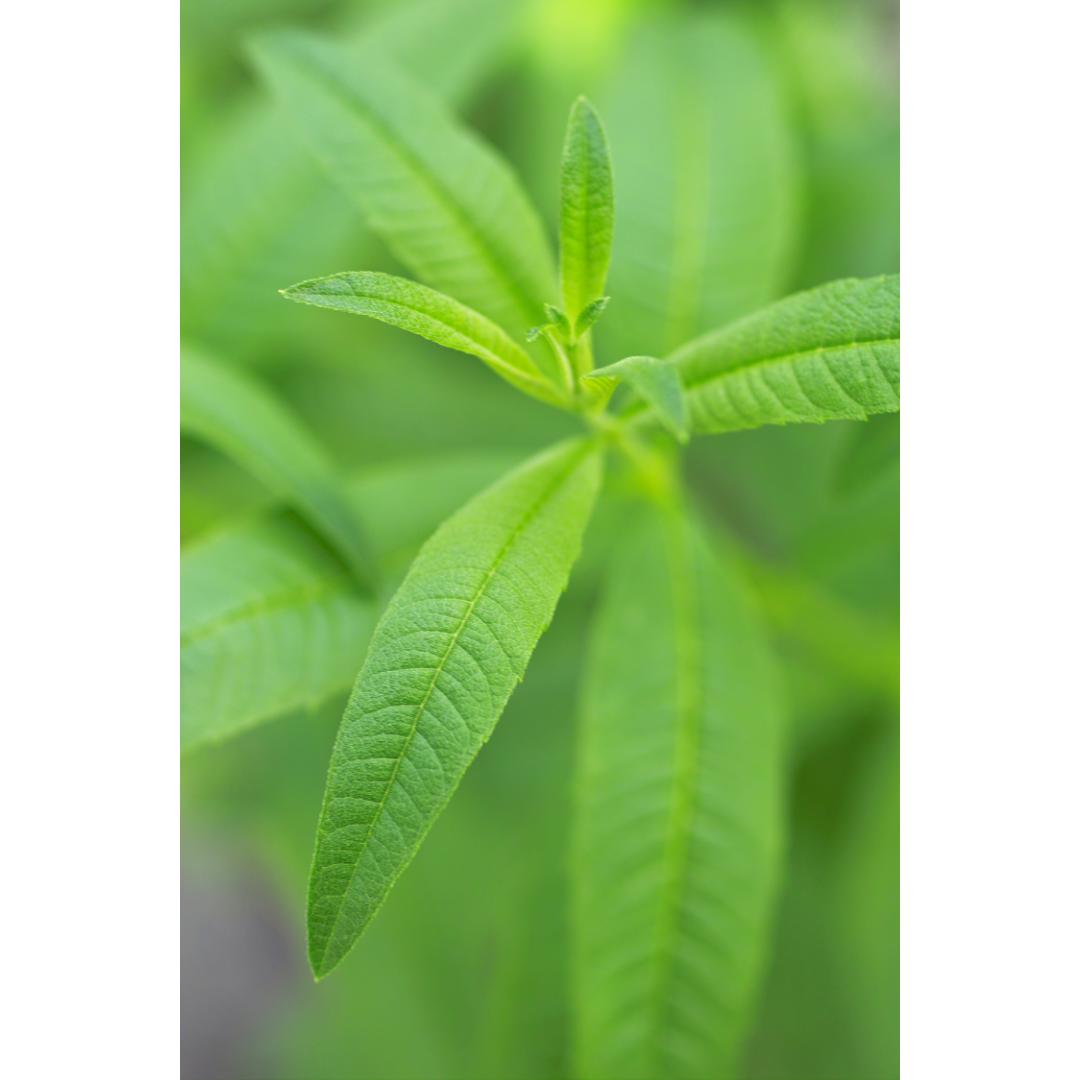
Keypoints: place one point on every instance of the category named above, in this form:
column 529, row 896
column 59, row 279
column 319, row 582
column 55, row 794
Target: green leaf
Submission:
column 827, row 354
column 587, row 212
column 270, row 623
column 233, row 412
column 589, row 314
column 677, row 833
column 709, row 183
column 445, row 203
column 430, row 314
column 260, row 211
column 657, row 382
column 444, row 659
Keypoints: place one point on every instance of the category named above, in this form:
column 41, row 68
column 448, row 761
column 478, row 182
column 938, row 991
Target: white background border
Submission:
column 991, row 768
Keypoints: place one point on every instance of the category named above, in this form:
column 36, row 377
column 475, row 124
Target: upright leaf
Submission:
column 430, row 314
column 444, row 659
column 270, row 623
column 677, row 835
column 587, row 213
column 447, row 205
column 233, row 412
column 830, row 353
column 708, row 183
column 657, row 381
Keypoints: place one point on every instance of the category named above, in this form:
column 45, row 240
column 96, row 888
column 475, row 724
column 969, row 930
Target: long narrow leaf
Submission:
column 430, row 314
column 270, row 623
column 260, row 211
column 233, row 412
column 445, row 657
column 587, row 214
column 708, row 179
column 677, row 836
column 830, row 353
column 447, row 205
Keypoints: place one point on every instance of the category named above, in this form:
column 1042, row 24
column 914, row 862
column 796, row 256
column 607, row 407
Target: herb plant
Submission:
column 678, row 793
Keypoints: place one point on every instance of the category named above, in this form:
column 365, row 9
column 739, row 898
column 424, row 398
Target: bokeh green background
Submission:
column 462, row 974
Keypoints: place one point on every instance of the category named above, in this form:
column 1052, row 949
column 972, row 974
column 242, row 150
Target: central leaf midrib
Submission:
column 531, row 372
column 292, row 597
column 688, row 720
column 781, row 358
column 527, row 308
column 526, row 519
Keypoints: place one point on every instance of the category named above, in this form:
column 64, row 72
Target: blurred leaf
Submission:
column 259, row 214
column 657, row 382
column 708, row 184
column 233, row 412
column 270, row 623
column 432, row 315
column 874, row 448
column 445, row 657
column 678, row 828
column 830, row 1009
column 446, row 204
column 830, row 353
column 587, row 213
column 260, row 211
column 865, row 650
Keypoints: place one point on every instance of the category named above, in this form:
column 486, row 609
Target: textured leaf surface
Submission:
column 239, row 416
column 587, row 213
column 677, row 836
column 830, row 353
column 430, row 314
column 708, row 182
column 270, row 623
column 657, row 382
column 260, row 211
column 444, row 659
column 448, row 206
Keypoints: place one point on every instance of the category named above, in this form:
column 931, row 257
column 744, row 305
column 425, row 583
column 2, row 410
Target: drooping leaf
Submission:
column 444, row 659
column 270, row 623
column 239, row 416
column 657, row 382
column 677, row 834
column 587, row 212
column 260, row 211
column 709, row 182
column 445, row 203
column 827, row 354
column 430, row 314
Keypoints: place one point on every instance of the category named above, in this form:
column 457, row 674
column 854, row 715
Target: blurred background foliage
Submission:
column 755, row 148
